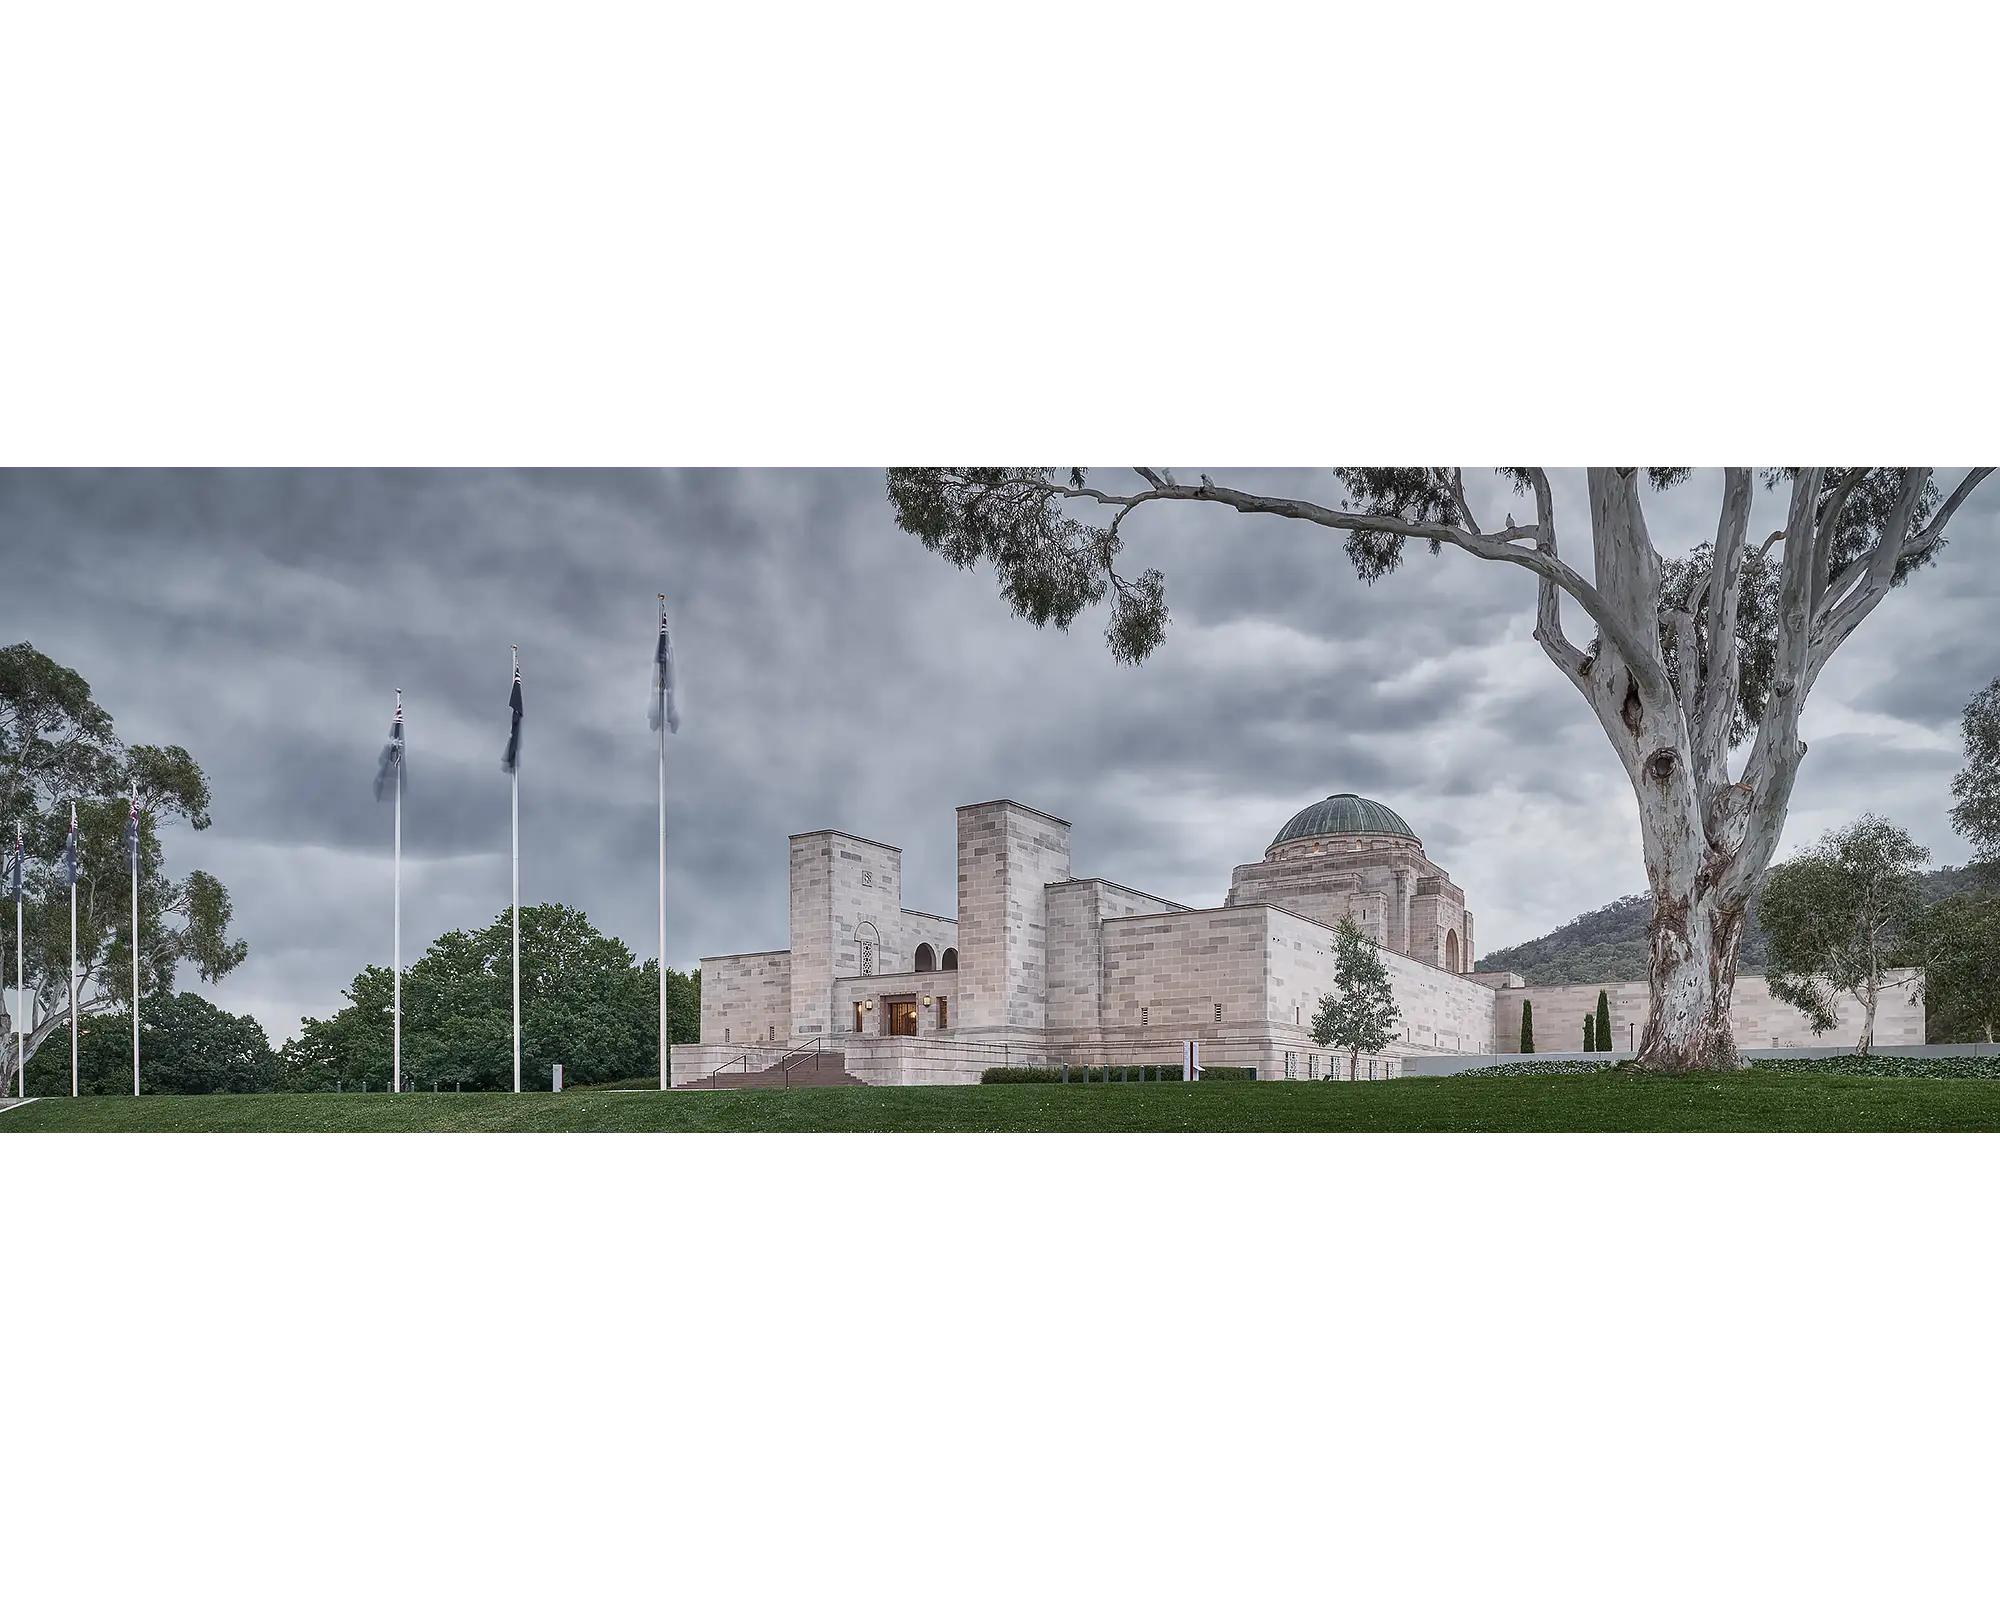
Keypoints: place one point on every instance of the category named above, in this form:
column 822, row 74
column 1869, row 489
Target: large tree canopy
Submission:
column 57, row 746
column 584, row 1002
column 1687, row 661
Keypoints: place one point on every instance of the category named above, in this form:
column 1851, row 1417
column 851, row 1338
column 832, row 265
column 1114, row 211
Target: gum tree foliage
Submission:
column 1977, row 788
column 1957, row 940
column 1361, row 1013
column 1697, row 668
column 1839, row 917
column 584, row 1002
column 57, row 743
column 186, row 1046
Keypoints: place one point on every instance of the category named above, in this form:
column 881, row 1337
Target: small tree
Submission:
column 1589, row 1031
column 1362, row 1011
column 1527, row 1027
column 1839, row 917
column 1959, row 944
column 1977, row 788
column 1603, row 1020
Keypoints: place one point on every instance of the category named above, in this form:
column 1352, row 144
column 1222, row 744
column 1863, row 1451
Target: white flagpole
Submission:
column 516, row 793
column 664, row 1079
column 20, row 973
column 135, row 942
column 396, row 1025
column 74, row 1027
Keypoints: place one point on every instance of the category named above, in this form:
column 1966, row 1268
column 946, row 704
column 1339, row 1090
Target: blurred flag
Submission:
column 132, row 836
column 390, row 768
column 511, row 761
column 666, row 700
column 69, row 871
column 17, row 865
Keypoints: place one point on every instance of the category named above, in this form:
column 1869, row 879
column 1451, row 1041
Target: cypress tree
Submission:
column 1589, row 1031
column 1603, row 1020
column 1527, row 1027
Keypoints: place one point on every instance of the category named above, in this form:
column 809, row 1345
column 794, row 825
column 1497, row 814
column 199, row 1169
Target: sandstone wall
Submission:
column 747, row 998
column 1757, row 1020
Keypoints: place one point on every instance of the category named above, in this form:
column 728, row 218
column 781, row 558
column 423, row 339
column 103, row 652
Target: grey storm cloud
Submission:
column 835, row 674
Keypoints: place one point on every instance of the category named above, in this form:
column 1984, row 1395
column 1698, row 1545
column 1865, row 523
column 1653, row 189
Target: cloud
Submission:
column 838, row 675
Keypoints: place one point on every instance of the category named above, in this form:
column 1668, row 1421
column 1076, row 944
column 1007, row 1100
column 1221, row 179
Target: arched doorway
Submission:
column 926, row 958
column 1451, row 950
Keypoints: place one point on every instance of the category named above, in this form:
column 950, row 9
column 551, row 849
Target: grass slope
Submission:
column 1606, row 1102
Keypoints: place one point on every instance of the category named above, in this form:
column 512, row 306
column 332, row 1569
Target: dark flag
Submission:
column 666, row 700
column 391, row 769
column 132, row 836
column 69, row 870
column 16, row 865
column 511, row 761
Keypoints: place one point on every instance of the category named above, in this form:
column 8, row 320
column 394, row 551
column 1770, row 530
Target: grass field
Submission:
column 1607, row 1102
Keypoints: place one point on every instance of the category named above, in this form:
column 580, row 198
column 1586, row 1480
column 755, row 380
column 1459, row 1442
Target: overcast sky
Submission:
column 835, row 674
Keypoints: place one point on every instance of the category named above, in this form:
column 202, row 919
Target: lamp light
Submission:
column 868, row 1004
column 927, row 999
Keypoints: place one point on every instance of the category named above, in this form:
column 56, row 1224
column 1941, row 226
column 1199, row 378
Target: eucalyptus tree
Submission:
column 1690, row 660
column 57, row 746
column 1977, row 788
column 1840, row 917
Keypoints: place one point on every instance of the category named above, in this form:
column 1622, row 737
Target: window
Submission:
column 926, row 958
column 1295, row 1016
column 725, row 1036
column 771, row 1034
column 1218, row 1011
column 1291, row 1062
column 1145, row 1016
column 944, row 1012
column 858, row 1028
column 950, row 962
column 867, row 960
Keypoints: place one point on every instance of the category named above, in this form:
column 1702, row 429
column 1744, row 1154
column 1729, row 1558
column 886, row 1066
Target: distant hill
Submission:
column 1609, row 945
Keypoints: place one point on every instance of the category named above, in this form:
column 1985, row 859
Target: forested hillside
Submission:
column 1609, row 945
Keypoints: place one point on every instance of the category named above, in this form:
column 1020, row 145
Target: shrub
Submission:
column 1527, row 1027
column 1085, row 1074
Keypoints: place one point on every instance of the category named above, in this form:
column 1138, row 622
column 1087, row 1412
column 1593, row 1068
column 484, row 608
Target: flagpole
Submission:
column 515, row 791
column 73, row 1026
column 396, row 1035
column 135, row 938
column 20, row 972
column 665, row 1079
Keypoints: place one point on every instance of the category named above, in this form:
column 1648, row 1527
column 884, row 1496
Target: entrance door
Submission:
column 903, row 1017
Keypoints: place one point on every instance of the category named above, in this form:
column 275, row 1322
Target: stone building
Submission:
column 1039, row 966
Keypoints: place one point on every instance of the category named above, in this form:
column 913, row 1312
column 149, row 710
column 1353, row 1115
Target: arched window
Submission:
column 867, row 943
column 1451, row 951
column 950, row 963
column 926, row 958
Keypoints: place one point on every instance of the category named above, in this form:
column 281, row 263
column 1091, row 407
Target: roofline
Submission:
column 840, row 833
column 745, row 955
column 1171, row 905
column 1018, row 805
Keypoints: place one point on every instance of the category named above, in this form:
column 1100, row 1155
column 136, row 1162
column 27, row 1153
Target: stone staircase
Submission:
column 802, row 1069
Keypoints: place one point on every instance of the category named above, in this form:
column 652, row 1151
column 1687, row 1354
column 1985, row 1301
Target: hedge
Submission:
column 1082, row 1074
column 1837, row 1066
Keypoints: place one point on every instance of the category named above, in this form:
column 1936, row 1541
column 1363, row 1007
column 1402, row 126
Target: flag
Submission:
column 666, row 700
column 69, row 870
column 511, row 761
column 132, row 836
column 16, row 865
column 391, row 768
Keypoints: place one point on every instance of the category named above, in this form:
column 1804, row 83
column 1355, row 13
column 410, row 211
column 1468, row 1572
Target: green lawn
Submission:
column 1608, row 1102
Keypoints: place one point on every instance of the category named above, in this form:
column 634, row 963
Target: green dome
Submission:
column 1343, row 813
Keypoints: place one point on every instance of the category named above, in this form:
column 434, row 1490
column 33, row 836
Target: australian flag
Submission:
column 69, row 871
column 665, row 708
column 17, row 865
column 132, row 836
column 511, row 761
column 390, row 769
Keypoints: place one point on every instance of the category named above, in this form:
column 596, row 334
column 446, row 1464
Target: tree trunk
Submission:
column 1699, row 912
column 1867, row 1019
